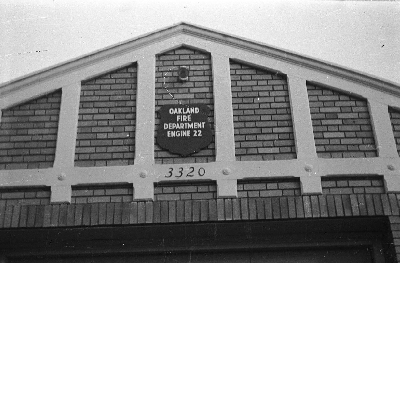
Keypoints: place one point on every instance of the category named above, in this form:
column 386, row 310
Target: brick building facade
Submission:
column 303, row 164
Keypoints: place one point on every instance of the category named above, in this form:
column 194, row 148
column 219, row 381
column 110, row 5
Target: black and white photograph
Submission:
column 199, row 199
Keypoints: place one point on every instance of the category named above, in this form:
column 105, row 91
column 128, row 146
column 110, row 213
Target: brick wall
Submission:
column 341, row 124
column 268, row 188
column 261, row 113
column 263, row 131
column 107, row 118
column 28, row 133
column 185, row 191
column 25, row 196
column 199, row 89
column 283, row 207
column 395, row 120
column 344, row 185
column 102, row 194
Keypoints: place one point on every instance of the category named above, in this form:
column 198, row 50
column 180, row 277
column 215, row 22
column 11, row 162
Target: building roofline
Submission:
column 208, row 34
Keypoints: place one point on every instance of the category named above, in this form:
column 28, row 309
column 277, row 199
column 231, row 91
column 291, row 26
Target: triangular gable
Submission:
column 290, row 143
column 203, row 39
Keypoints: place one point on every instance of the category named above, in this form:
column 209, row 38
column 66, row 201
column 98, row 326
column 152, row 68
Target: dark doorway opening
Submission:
column 322, row 240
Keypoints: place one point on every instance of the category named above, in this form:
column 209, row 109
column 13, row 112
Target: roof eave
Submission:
column 190, row 29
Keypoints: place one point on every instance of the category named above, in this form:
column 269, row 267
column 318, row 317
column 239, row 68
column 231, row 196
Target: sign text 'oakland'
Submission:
column 184, row 130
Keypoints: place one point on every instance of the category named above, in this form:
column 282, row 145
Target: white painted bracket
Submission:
column 311, row 185
column 61, row 194
column 145, row 121
column 144, row 190
column 392, row 183
column 223, row 115
column 227, row 187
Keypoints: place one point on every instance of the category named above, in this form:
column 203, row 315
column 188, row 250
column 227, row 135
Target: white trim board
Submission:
column 226, row 174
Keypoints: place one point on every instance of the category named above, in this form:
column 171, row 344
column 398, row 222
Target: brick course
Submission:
column 107, row 119
column 141, row 212
column 351, row 185
column 268, row 188
column 341, row 124
column 261, row 114
column 185, row 191
column 28, row 133
column 102, row 194
column 25, row 196
column 395, row 120
column 199, row 89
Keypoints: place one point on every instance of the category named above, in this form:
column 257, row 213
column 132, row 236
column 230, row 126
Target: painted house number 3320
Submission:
column 189, row 172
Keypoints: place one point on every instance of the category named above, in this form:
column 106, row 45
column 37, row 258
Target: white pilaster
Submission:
column 303, row 134
column 145, row 111
column 223, row 113
column 311, row 184
column 145, row 122
column 66, row 141
column 223, row 117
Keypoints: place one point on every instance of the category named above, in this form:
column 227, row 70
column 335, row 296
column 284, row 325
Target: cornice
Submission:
column 208, row 35
column 295, row 59
column 86, row 60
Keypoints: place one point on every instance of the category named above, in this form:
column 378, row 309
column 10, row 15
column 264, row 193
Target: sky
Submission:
column 360, row 35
